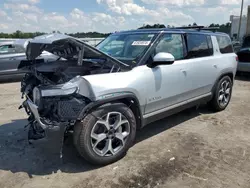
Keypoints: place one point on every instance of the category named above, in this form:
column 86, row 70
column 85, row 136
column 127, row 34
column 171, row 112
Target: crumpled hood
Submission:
column 67, row 47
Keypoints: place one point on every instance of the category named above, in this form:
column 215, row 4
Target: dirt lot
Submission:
column 195, row 148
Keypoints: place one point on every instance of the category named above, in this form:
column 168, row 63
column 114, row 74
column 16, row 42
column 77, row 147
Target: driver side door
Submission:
column 166, row 86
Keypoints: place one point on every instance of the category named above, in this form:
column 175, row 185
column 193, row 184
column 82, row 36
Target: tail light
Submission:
column 237, row 59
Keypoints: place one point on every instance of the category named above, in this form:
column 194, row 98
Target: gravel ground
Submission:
column 195, row 148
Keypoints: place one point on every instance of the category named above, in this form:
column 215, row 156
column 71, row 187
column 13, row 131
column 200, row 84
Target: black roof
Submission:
column 175, row 30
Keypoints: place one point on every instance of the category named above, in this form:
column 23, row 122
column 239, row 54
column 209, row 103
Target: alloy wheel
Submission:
column 109, row 134
column 224, row 93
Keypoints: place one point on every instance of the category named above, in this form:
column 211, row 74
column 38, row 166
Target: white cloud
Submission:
column 213, row 11
column 31, row 17
column 230, row 2
column 159, row 15
column 3, row 26
column 24, row 1
column 56, row 18
column 127, row 7
column 175, row 2
column 105, row 19
column 77, row 14
column 34, row 1
column 2, row 13
column 28, row 16
column 236, row 11
column 21, row 7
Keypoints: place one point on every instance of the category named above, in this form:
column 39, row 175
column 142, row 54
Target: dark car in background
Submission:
column 11, row 54
column 244, row 56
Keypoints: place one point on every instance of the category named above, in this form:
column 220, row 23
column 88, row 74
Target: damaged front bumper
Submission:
column 54, row 109
column 50, row 137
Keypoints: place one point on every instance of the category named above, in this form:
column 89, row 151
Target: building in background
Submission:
column 235, row 20
column 245, row 25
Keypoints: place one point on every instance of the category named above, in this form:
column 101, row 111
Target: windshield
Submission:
column 126, row 47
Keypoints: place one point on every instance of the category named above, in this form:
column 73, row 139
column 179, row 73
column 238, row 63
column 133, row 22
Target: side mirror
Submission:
column 162, row 58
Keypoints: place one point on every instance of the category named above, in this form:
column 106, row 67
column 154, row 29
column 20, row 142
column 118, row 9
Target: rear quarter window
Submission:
column 225, row 44
column 199, row 46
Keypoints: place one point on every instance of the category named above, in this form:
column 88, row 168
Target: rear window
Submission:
column 225, row 44
column 199, row 46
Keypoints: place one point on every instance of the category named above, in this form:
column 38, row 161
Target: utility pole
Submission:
column 242, row 3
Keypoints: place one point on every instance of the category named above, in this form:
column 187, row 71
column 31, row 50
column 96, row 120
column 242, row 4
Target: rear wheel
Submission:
column 105, row 135
column 222, row 95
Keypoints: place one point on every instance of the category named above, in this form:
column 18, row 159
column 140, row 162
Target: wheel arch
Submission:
column 229, row 73
column 129, row 99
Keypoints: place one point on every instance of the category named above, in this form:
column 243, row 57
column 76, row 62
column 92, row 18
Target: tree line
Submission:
column 21, row 35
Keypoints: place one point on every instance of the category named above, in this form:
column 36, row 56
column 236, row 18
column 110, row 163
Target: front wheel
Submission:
column 222, row 94
column 105, row 135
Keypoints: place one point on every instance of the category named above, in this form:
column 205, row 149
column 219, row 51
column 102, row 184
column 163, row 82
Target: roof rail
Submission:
column 189, row 27
column 214, row 29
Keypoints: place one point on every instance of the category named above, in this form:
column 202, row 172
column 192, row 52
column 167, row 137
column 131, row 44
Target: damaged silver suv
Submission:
column 104, row 94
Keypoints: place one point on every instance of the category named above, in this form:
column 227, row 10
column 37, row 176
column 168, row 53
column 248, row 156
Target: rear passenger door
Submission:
column 201, row 66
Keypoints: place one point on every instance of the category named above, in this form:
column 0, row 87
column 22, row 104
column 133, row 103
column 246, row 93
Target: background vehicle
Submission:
column 244, row 56
column 129, row 80
column 11, row 54
column 236, row 45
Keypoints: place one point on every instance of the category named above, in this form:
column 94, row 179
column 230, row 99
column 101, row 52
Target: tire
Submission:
column 216, row 103
column 84, row 130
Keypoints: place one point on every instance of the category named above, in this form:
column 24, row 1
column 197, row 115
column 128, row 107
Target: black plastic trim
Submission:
column 220, row 77
column 173, row 111
column 94, row 105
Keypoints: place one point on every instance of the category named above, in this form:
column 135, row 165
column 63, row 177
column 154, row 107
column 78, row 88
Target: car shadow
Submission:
column 162, row 125
column 17, row 155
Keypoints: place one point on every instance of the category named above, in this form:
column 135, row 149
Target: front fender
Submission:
column 111, row 98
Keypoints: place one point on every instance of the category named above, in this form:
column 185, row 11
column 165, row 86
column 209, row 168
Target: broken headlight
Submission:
column 58, row 92
column 37, row 96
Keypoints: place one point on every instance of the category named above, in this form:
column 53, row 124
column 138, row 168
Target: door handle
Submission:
column 12, row 58
column 183, row 70
column 215, row 66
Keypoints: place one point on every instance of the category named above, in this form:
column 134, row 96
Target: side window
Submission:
column 173, row 44
column 7, row 49
column 198, row 46
column 225, row 44
column 3, row 49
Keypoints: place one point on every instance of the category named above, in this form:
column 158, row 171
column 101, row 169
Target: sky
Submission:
column 70, row 16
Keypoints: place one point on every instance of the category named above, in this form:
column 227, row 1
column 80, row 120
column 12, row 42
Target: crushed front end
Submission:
column 53, row 110
column 55, row 90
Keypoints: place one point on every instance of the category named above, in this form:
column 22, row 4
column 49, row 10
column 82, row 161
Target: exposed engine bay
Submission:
column 55, row 92
column 62, row 108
